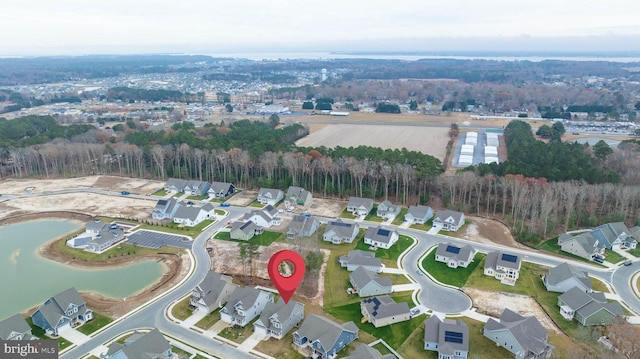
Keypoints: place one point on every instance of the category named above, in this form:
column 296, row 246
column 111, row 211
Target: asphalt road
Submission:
column 621, row 279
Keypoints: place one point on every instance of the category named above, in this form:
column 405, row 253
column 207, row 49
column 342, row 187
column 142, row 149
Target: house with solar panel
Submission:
column 165, row 209
column 450, row 338
column 503, row 266
column 244, row 231
column 366, row 283
column 588, row 308
column 380, row 237
column 221, row 190
column 449, row 220
column 338, row 232
column 524, row 337
column 357, row 258
column 359, row 206
column 382, row 310
column 322, row 338
column 455, row 256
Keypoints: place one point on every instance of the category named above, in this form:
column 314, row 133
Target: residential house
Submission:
column 66, row 308
column 192, row 216
column 584, row 245
column 563, row 277
column 588, row 308
column 524, row 337
column 277, row 319
column 359, row 206
column 302, row 226
column 455, row 256
column 450, row 338
column 503, row 266
column 211, row 294
column 323, row 338
column 152, row 345
column 358, row 258
column 387, row 210
column 221, row 190
column 381, row 237
column 15, row 328
column 418, row 214
column 338, row 232
column 165, row 209
column 270, row 196
column 614, row 236
column 98, row 236
column 382, row 310
column 197, row 188
column 244, row 305
column 298, row 196
column 366, row 352
column 175, row 185
column 244, row 231
column 266, row 217
column 366, row 283
column 449, row 220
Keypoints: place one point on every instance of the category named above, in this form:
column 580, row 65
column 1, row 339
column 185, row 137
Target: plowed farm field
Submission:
column 428, row 140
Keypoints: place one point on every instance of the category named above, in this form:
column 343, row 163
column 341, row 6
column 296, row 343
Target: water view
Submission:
column 28, row 279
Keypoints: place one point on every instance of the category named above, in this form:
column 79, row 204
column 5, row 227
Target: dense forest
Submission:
column 33, row 130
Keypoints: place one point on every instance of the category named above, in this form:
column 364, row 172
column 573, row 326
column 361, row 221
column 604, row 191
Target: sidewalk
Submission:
column 393, row 270
column 625, row 254
column 249, row 343
column 73, row 335
column 193, row 319
column 405, row 287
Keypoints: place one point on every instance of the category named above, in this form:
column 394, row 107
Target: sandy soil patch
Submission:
column 89, row 203
column 486, row 230
column 232, row 265
column 243, row 198
column 18, row 186
column 429, row 140
column 493, row 304
column 326, row 207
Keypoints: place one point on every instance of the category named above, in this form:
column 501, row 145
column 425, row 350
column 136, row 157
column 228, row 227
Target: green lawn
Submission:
column 396, row 279
column 456, row 277
column 598, row 286
column 413, row 347
column 389, row 256
column 613, row 257
column 160, row 193
column 181, row 310
column 98, row 321
column 63, row 343
column 394, row 334
column 180, row 352
column 281, row 349
column 122, row 249
column 35, row 330
column 382, row 349
column 481, row 346
column 552, row 246
column 198, row 198
column 237, row 334
column 256, row 204
column 347, row 215
column 336, row 279
column 423, row 227
column 373, row 215
column 209, row 320
column 220, row 212
column 264, row 239
column 400, row 217
column 635, row 252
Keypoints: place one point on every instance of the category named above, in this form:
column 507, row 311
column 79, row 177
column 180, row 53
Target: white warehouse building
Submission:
column 467, row 150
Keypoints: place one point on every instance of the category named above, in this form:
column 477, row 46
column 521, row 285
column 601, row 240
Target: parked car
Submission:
column 598, row 259
column 628, row 263
column 224, row 204
column 125, row 193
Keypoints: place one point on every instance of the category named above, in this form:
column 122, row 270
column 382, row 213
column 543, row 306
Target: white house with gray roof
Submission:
column 449, row 220
column 357, row 258
column 66, row 308
column 302, row 226
column 381, row 237
column 455, row 256
column 211, row 294
column 221, row 190
column 503, row 266
column 366, row 352
column 266, row 217
column 165, row 209
column 244, row 305
column 98, row 236
column 197, row 188
column 524, row 337
column 366, row 283
column 278, row 318
column 584, row 245
column 15, row 328
column 450, row 338
column 150, row 345
column 244, row 231
column 588, row 308
column 382, row 310
column 338, row 232
column 563, row 277
column 298, row 196
column 270, row 196
column 192, row 216
column 418, row 214
column 175, row 185
column 388, row 210
column 323, row 339
column 615, row 236
column 359, row 206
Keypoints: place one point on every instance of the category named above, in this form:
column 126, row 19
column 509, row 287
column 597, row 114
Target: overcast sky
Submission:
column 135, row 26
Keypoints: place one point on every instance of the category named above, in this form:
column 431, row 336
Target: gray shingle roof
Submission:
column 342, row 229
column 212, row 286
column 380, row 234
column 269, row 193
column 358, row 257
column 188, row 212
column 324, row 330
column 526, row 330
column 384, row 307
column 180, row 184
column 361, row 277
column 279, row 310
column 495, row 259
column 419, row 211
column 15, row 323
column 564, row 271
column 464, row 254
column 218, row 187
column 301, row 225
column 55, row 308
column 151, row 345
column 360, row 202
column 445, row 213
column 366, row 352
column 588, row 303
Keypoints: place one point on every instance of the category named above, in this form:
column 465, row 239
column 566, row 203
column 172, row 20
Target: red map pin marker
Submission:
column 286, row 286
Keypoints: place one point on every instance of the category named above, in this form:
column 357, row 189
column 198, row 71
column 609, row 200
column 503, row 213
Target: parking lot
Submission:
column 151, row 239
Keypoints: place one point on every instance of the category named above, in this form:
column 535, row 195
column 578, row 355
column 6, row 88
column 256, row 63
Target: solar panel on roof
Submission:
column 509, row 258
column 453, row 337
column 383, row 232
column 340, row 224
column 162, row 202
column 453, row 249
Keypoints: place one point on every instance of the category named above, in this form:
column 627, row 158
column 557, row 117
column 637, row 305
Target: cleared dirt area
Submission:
column 429, row 140
column 493, row 304
column 326, row 207
column 109, row 183
column 486, row 230
column 243, row 198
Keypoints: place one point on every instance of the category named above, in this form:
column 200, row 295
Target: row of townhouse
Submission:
column 182, row 212
column 199, row 188
column 593, row 244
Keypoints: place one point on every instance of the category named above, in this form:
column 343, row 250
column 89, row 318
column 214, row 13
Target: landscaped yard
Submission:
column 209, row 320
column 456, row 277
column 389, row 256
column 396, row 279
column 373, row 215
column 219, row 212
column 423, row 227
column 237, row 334
column 400, row 217
column 122, row 249
column 336, row 279
column 63, row 343
column 256, row 204
column 552, row 246
column 346, row 214
column 635, row 252
column 613, row 257
column 394, row 334
column 198, row 198
column 598, row 286
column 264, row 239
column 181, row 310
column 160, row 193
column 98, row 321
column 280, row 348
